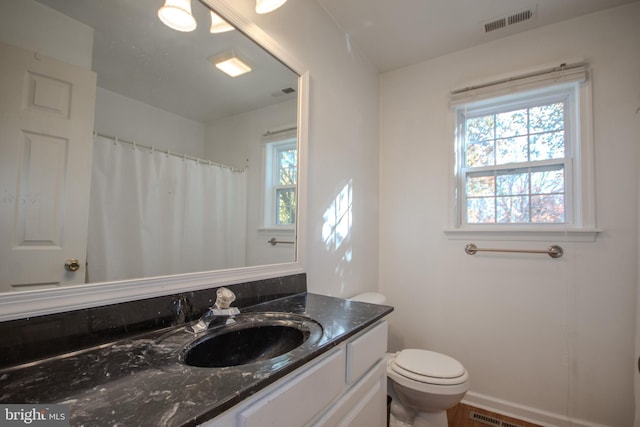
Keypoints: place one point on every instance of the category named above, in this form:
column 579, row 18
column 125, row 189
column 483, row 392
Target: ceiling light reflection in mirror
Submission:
column 176, row 14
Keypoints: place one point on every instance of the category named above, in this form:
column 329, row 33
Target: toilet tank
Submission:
column 370, row 297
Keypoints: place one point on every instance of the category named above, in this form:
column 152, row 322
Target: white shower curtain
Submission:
column 155, row 214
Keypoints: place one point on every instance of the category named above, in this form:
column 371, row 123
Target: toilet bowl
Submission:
column 425, row 382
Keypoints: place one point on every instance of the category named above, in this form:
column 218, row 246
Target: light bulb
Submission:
column 219, row 25
column 266, row 6
column 176, row 14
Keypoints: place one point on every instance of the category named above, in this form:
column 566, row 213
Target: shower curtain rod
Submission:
column 167, row 152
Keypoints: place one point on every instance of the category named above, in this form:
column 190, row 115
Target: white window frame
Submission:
column 521, row 91
column 271, row 181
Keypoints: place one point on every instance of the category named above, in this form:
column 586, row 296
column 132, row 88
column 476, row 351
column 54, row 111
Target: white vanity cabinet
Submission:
column 346, row 386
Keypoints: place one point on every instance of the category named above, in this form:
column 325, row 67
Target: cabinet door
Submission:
column 364, row 405
column 365, row 350
column 297, row 402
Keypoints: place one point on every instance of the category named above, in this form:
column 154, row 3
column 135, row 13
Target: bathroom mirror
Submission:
column 151, row 99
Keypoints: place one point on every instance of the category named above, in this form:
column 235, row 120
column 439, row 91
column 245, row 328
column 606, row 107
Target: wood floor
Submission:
column 460, row 416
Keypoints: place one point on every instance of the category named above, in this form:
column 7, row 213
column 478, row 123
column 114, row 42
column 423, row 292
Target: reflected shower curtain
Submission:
column 154, row 214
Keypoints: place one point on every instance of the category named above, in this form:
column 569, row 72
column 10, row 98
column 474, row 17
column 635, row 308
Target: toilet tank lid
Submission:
column 370, row 297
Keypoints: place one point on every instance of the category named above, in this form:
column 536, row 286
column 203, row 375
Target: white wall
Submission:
column 237, row 141
column 343, row 143
column 552, row 335
column 151, row 127
column 47, row 31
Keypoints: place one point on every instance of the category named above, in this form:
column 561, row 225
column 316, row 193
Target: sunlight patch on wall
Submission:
column 336, row 228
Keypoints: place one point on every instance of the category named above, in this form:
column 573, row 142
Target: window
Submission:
column 281, row 171
column 514, row 160
column 519, row 157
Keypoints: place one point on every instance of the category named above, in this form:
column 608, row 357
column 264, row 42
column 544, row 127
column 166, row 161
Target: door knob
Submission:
column 72, row 264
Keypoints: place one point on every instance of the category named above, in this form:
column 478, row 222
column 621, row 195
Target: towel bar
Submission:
column 274, row 242
column 554, row 251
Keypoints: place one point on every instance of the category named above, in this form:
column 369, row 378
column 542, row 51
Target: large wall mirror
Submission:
column 129, row 159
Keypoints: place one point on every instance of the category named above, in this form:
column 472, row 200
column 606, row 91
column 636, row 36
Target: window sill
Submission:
column 535, row 234
column 284, row 230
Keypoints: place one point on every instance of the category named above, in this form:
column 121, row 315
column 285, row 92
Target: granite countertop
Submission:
column 141, row 382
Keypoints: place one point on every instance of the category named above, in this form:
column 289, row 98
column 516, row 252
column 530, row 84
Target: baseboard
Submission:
column 523, row 412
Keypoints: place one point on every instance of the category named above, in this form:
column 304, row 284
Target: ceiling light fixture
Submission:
column 219, row 25
column 230, row 64
column 266, row 6
column 176, row 14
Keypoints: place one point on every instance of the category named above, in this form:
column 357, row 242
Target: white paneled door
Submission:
column 46, row 124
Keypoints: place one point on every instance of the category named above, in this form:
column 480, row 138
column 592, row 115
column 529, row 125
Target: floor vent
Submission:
column 491, row 421
column 512, row 19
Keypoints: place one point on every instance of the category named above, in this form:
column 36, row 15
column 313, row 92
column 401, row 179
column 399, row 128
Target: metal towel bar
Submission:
column 274, row 242
column 554, row 251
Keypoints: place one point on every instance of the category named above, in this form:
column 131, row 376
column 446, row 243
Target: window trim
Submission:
column 582, row 225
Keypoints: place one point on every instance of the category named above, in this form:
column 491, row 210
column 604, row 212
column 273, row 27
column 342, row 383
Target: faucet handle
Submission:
column 224, row 298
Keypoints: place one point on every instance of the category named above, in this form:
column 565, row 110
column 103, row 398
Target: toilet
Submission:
column 426, row 383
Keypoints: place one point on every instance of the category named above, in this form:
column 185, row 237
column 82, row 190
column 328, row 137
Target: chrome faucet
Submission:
column 220, row 313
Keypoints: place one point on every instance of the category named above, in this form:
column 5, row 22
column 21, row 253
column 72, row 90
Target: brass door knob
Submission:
column 72, row 264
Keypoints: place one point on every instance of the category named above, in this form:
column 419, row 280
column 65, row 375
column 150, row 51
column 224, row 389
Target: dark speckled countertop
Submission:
column 139, row 381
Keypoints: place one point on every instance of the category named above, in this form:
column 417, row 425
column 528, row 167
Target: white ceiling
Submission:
column 397, row 33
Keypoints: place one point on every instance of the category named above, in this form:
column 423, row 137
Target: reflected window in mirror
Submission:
column 280, row 179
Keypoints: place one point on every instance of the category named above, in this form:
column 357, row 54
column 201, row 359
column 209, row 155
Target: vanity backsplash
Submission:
column 29, row 339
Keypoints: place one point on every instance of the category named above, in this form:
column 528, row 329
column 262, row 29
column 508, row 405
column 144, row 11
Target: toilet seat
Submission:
column 428, row 367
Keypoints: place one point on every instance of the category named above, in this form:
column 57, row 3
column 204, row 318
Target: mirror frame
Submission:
column 18, row 305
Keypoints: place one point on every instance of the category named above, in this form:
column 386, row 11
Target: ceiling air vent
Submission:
column 495, row 25
column 506, row 21
column 285, row 91
column 520, row 17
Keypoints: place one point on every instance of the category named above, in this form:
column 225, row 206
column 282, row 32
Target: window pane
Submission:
column 513, row 166
column 481, row 185
column 546, row 118
column 549, row 145
column 481, row 210
column 512, row 150
column 480, row 153
column 512, row 209
column 546, row 182
column 513, row 183
column 479, row 129
column 512, row 123
column 547, row 209
column 286, row 206
column 287, row 166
